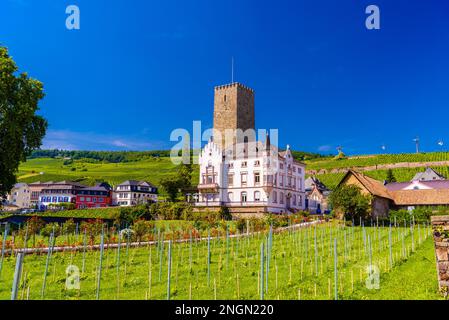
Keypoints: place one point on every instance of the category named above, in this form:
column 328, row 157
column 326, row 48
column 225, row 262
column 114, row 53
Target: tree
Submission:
column 171, row 187
column 349, row 201
column 21, row 130
column 185, row 175
column 390, row 176
column 178, row 183
column 225, row 214
column 141, row 228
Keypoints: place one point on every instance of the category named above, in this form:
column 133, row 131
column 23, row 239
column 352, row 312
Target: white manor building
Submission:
column 132, row 192
column 264, row 180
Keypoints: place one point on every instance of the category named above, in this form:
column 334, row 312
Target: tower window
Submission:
column 224, row 98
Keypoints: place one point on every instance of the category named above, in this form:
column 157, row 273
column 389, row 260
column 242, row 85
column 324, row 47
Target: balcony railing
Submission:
column 232, row 204
column 208, row 203
column 208, row 185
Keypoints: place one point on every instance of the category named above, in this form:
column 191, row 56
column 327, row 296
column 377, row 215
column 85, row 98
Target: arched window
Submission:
column 294, row 199
column 244, row 196
column 275, row 197
column 256, row 196
column 230, row 196
column 281, row 198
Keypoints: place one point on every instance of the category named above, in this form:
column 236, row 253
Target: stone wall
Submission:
column 440, row 228
column 237, row 212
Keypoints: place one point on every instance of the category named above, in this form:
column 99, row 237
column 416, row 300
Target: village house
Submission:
column 58, row 193
column 428, row 175
column 400, row 195
column 316, row 196
column 19, row 197
column 426, row 189
column 35, row 191
column 98, row 196
column 132, row 192
column 381, row 200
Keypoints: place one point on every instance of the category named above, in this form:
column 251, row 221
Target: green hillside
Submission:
column 153, row 169
column 49, row 169
column 404, row 173
column 373, row 160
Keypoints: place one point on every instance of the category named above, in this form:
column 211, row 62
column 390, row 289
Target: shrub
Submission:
column 69, row 226
column 50, row 228
column 92, row 228
column 417, row 214
column 225, row 214
column 349, row 201
column 34, row 225
column 141, row 228
column 187, row 213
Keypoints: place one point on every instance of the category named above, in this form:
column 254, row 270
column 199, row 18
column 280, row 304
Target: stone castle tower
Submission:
column 233, row 109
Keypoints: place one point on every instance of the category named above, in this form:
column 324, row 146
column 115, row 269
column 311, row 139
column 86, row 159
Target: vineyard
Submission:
column 155, row 169
column 373, row 160
column 318, row 261
column 86, row 172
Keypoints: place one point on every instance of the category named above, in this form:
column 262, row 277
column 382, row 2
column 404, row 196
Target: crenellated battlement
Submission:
column 234, row 84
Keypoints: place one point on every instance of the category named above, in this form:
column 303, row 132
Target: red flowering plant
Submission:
column 92, row 228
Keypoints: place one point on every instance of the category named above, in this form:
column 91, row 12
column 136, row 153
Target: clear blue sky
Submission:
column 138, row 69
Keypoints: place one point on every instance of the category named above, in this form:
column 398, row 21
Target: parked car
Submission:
column 26, row 211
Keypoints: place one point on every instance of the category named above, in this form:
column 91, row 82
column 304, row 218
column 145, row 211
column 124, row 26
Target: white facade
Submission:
column 46, row 200
column 131, row 193
column 20, row 196
column 264, row 179
column 416, row 185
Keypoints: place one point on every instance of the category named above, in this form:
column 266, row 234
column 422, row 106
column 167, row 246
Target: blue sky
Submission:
column 138, row 69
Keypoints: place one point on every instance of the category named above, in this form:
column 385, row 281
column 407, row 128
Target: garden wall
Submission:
column 440, row 228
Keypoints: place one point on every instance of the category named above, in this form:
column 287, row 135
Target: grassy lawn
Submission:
column 413, row 279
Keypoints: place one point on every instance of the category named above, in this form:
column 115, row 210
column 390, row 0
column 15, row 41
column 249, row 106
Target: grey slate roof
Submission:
column 428, row 175
column 135, row 183
column 313, row 181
